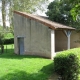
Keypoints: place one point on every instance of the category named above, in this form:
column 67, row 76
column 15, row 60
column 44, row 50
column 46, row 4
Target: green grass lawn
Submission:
column 16, row 67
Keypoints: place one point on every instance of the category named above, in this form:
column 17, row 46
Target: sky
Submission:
column 38, row 12
column 43, row 13
column 51, row 0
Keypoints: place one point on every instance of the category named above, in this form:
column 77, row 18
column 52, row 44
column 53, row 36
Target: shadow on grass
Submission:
column 49, row 69
column 9, row 54
column 22, row 75
column 42, row 74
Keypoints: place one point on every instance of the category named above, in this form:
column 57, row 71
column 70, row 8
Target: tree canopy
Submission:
column 63, row 11
column 29, row 6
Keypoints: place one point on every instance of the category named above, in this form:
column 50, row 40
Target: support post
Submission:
column 52, row 43
column 68, row 34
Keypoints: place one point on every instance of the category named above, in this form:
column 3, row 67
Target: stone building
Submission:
column 35, row 35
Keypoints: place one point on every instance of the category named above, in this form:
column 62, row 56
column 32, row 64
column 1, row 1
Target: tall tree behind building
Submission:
column 28, row 6
column 4, row 13
column 65, row 12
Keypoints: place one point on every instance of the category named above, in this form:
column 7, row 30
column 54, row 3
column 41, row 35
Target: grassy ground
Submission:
column 75, row 50
column 15, row 67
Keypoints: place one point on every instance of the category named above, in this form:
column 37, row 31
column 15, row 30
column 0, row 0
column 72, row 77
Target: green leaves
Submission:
column 65, row 12
column 28, row 6
column 59, row 11
column 67, row 65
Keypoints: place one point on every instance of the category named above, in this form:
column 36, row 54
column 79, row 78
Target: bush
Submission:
column 9, row 41
column 67, row 66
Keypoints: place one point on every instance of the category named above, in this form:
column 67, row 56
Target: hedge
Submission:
column 9, row 41
column 67, row 66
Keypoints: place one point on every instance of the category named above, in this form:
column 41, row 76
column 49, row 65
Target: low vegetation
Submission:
column 8, row 38
column 67, row 64
column 5, row 38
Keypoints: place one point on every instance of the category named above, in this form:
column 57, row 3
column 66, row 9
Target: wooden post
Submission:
column 68, row 34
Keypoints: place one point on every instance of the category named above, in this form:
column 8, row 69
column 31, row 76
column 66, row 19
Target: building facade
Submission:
column 34, row 35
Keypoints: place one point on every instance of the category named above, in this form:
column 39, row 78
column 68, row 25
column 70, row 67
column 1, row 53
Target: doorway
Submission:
column 21, row 45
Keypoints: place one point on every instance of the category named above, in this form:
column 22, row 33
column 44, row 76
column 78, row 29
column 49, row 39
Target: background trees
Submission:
column 8, row 6
column 65, row 12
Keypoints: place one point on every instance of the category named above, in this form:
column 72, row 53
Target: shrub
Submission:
column 67, row 66
column 9, row 41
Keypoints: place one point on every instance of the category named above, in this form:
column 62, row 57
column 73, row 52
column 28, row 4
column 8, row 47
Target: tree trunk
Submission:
column 2, row 48
column 3, row 14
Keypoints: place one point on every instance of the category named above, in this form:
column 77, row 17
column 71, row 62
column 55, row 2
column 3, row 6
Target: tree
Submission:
column 75, row 12
column 3, row 13
column 2, row 38
column 60, row 11
column 29, row 6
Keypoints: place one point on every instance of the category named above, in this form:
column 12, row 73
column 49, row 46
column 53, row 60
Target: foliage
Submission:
column 76, row 9
column 61, row 11
column 11, row 30
column 9, row 41
column 24, row 67
column 29, row 6
column 5, row 36
column 2, row 33
column 67, row 65
column 8, row 35
column 26, row 5
column 1, row 38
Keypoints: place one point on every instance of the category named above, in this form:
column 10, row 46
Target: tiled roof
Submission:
column 50, row 24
